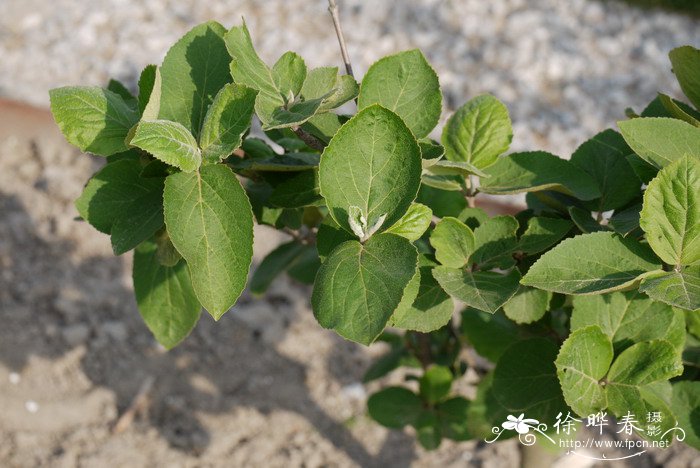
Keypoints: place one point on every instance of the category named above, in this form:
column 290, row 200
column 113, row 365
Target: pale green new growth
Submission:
column 453, row 242
column 170, row 142
column 660, row 141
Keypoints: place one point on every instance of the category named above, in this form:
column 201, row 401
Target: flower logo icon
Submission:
column 519, row 424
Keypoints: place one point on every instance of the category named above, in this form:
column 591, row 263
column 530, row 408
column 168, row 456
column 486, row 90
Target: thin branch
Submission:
column 310, row 140
column 333, row 10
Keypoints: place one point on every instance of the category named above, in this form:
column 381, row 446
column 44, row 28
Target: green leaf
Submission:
column 583, row 361
column 432, row 307
column 527, row 305
column 478, row 132
column 290, row 162
column 584, row 220
column 193, row 72
column 164, row 296
column 472, row 217
column 118, row 87
column 644, row 170
column 428, row 430
column 226, row 121
column 443, row 167
column 542, row 233
column 118, row 201
column 147, row 87
column 325, row 83
column 675, row 288
column 166, row 253
column 435, row 384
column 685, row 404
column 358, row 287
column 686, row 66
column 453, row 242
column 414, row 223
column 273, row 264
column 406, row 84
column 670, row 215
column 210, row 222
column 441, row 202
column 591, row 263
column 490, row 334
column 304, row 268
column 660, row 141
column 298, row 191
column 678, row 110
column 453, row 414
column 330, row 236
column 483, row 290
column 289, row 73
column 93, row 119
column 525, row 379
column 395, row 407
column 170, row 142
column 627, row 318
column 536, row 171
column 603, row 157
column 494, row 243
column 626, row 221
column 362, row 163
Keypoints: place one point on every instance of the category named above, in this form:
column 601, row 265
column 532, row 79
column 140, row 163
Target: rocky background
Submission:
column 265, row 386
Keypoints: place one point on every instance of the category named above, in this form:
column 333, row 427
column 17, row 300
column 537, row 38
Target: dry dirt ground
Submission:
column 266, row 386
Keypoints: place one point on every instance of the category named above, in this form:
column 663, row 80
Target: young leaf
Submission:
column 362, row 164
column 273, row 264
column 478, row 132
column 358, row 287
column 580, row 372
column 676, row 288
column 670, row 215
column 542, row 233
column 483, row 290
column 169, row 142
column 453, row 242
column 603, row 157
column 678, row 110
column 406, row 84
column 525, row 380
column 147, row 86
column 193, row 72
column 432, row 307
column 686, row 66
column 414, row 223
column 627, row 318
column 289, row 73
column 226, row 121
column 435, row 384
column 325, row 83
column 494, row 243
column 93, row 119
column 528, row 305
column 395, row 407
column 660, row 141
column 210, row 222
column 164, row 296
column 537, row 171
column 591, row 263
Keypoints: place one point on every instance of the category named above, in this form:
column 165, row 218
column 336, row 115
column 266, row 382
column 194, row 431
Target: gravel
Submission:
column 566, row 69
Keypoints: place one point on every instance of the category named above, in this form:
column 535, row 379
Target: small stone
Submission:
column 14, row 378
column 354, row 391
column 76, row 334
column 116, row 330
column 31, row 406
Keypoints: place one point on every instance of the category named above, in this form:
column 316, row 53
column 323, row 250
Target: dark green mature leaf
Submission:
column 273, row 264
column 170, row 142
column 453, row 242
column 362, row 164
column 147, row 86
column 442, row 203
column 193, row 72
column 406, row 84
column 435, row 384
column 685, row 404
column 592, row 263
column 527, row 305
column 93, row 119
column 670, row 216
column 584, row 220
column 676, row 288
column 686, row 66
column 478, row 132
column 583, row 361
column 118, row 87
column 660, row 141
column 358, row 287
column 483, row 290
column 525, row 380
column 490, row 334
column 453, row 414
column 537, row 171
column 330, row 236
column 494, row 243
column 542, row 233
column 603, row 157
column 626, row 221
column 395, row 407
column 428, row 430
column 290, row 162
column 298, row 191
column 628, row 318
column 226, row 121
column 644, row 170
column 414, row 223
column 210, row 222
column 118, row 201
column 164, row 296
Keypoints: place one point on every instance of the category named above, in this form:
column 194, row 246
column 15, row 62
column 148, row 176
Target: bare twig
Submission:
column 310, row 140
column 333, row 10
column 138, row 404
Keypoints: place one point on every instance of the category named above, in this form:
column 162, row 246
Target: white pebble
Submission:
column 14, row 378
column 31, row 406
